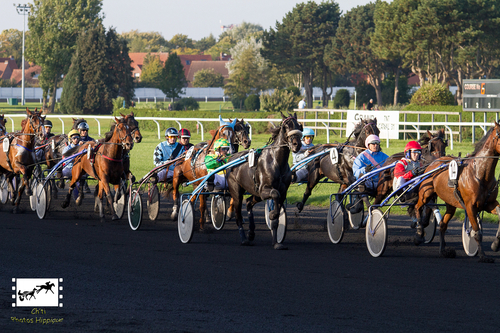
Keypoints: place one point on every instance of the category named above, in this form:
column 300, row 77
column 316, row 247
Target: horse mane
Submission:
column 274, row 134
column 109, row 134
column 480, row 144
column 71, row 151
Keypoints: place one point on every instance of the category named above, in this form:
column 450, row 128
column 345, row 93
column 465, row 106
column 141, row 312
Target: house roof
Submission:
column 30, row 75
column 217, row 66
column 11, row 61
column 5, row 71
column 138, row 60
column 187, row 59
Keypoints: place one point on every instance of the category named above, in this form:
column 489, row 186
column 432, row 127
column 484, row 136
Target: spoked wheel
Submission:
column 40, row 196
column 469, row 243
column 376, row 233
column 218, row 211
column 282, row 225
column 430, row 230
column 185, row 221
column 153, row 202
column 135, row 210
column 33, row 185
column 268, row 207
column 120, row 205
column 4, row 189
column 335, row 222
column 357, row 216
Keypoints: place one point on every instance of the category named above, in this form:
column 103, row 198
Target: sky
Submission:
column 194, row 18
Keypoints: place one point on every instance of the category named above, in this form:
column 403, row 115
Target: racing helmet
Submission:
column 83, row 126
column 221, row 143
column 47, row 123
column 73, row 132
column 184, row 133
column 307, row 132
column 372, row 138
column 171, row 132
column 412, row 145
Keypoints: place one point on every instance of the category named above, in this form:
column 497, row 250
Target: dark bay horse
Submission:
column 269, row 179
column 3, row 129
column 20, row 156
column 194, row 167
column 433, row 146
column 476, row 191
column 107, row 166
column 340, row 173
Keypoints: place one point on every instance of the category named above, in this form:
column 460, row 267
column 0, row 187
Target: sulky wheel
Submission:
column 33, row 185
column 4, row 189
column 134, row 210
column 268, row 207
column 218, row 211
column 376, row 233
column 469, row 243
column 282, row 225
column 430, row 230
column 153, row 202
column 356, row 212
column 40, row 195
column 185, row 221
column 335, row 222
column 119, row 205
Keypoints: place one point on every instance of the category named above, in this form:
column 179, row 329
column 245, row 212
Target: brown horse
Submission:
column 20, row 156
column 190, row 169
column 433, row 146
column 3, row 129
column 340, row 173
column 107, row 166
column 476, row 190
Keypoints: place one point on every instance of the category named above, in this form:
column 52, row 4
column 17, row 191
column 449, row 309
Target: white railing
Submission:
column 325, row 122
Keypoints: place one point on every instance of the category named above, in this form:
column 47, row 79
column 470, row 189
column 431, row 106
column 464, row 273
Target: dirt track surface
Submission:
column 119, row 280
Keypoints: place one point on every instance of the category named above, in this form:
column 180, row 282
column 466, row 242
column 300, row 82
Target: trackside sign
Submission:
column 387, row 121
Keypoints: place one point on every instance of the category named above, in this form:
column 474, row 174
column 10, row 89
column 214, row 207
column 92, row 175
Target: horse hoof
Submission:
column 229, row 215
column 495, row 244
column 279, row 246
column 413, row 225
column 448, row 253
column 79, row 201
column 174, row 216
column 246, row 242
column 64, row 204
column 103, row 219
column 114, row 217
column 251, row 235
column 300, row 206
column 15, row 210
column 486, row 260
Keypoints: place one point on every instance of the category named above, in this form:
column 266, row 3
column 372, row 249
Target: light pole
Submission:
column 23, row 10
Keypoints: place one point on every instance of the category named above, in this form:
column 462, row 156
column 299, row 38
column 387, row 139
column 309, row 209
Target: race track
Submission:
column 119, row 280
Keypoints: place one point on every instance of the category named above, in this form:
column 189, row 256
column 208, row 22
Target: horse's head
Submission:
column 134, row 126
column 77, row 121
column 291, row 132
column 33, row 124
column 436, row 144
column 363, row 129
column 123, row 132
column 3, row 121
column 242, row 133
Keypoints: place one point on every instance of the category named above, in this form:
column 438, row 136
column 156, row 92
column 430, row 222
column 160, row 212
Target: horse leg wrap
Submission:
column 251, row 221
column 478, row 236
column 274, row 230
column 242, row 234
column 175, row 211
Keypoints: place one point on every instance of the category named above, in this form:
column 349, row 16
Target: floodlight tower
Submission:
column 23, row 10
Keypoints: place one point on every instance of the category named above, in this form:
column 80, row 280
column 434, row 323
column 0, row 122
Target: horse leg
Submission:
column 274, row 215
column 313, row 180
column 477, row 234
column 230, row 210
column 496, row 242
column 251, row 201
column 81, row 195
column 109, row 199
column 75, row 176
column 100, row 199
column 443, row 226
column 175, row 195
column 12, row 189
column 97, row 200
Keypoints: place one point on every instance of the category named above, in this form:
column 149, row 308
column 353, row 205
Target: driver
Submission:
column 371, row 158
column 83, row 128
column 215, row 160
column 307, row 143
column 166, row 151
column 409, row 166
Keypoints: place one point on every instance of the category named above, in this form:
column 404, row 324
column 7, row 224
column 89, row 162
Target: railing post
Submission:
column 98, row 126
column 202, row 131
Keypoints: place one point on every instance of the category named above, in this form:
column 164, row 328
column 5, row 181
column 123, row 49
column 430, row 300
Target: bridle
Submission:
column 290, row 134
column 239, row 134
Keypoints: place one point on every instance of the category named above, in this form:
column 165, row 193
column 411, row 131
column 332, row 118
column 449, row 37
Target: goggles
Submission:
column 374, row 143
column 224, row 148
column 172, row 136
column 75, row 137
column 416, row 152
column 309, row 137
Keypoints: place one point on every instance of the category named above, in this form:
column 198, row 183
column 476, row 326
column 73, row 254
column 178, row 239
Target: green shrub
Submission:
column 238, row 103
column 364, row 92
column 294, row 90
column 252, row 103
column 342, row 99
column 433, row 94
column 279, row 100
column 118, row 103
column 189, row 103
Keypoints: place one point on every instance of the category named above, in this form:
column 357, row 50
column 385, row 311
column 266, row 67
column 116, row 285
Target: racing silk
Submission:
column 69, row 164
column 86, row 138
column 299, row 156
column 375, row 159
column 403, row 169
column 213, row 161
column 47, row 137
column 163, row 152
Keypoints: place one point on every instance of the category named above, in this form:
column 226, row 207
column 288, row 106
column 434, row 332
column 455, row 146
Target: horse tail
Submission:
column 167, row 190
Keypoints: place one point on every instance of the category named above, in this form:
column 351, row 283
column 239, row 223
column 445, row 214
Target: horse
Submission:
column 47, row 286
column 340, row 173
column 20, row 157
column 476, row 190
column 3, row 129
column 194, row 167
column 269, row 179
column 107, row 166
column 433, row 146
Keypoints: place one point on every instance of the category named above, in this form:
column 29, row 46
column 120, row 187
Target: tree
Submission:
column 151, row 41
column 297, row 44
column 242, row 31
column 205, row 43
column 151, row 75
column 54, row 27
column 350, row 50
column 11, row 44
column 173, row 77
column 208, row 78
column 119, row 78
column 181, row 41
column 223, row 46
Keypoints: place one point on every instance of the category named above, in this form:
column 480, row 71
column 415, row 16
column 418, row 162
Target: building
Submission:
column 217, row 66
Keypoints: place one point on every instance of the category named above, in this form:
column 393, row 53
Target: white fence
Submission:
column 328, row 124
